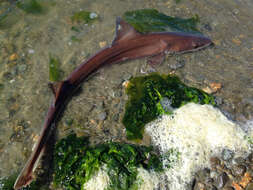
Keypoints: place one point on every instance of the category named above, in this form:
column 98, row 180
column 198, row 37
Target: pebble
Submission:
column 177, row 65
column 13, row 57
column 227, row 154
column 222, row 180
column 238, row 170
column 102, row 116
column 214, row 161
column 249, row 186
column 102, row 44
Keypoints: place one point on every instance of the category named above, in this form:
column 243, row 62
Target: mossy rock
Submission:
column 147, row 95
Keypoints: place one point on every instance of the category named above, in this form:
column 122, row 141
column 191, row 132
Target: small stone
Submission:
column 215, row 86
column 125, row 84
column 207, row 90
column 245, row 180
column 199, row 186
column 236, row 41
column 213, row 174
column 238, row 170
column 222, row 180
column 13, row 57
column 227, row 154
column 177, row 65
column 228, row 188
column 31, row 51
column 166, row 104
column 214, row 161
column 249, row 186
column 102, row 116
column 236, row 186
column 102, row 44
column 238, row 160
column 22, row 68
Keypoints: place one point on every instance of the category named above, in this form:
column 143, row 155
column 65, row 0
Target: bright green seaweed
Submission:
column 54, row 69
column 150, row 20
column 75, row 162
column 154, row 95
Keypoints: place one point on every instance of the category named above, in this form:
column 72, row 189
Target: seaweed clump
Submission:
column 30, row 6
column 75, row 162
column 54, row 69
column 154, row 95
column 150, row 20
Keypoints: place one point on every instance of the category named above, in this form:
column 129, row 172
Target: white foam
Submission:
column 99, row 181
column 198, row 132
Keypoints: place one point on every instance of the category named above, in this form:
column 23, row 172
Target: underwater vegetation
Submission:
column 154, row 95
column 85, row 17
column 150, row 20
column 30, row 6
column 54, row 69
column 75, row 162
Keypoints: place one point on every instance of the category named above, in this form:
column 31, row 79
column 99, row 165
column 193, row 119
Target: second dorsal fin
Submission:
column 124, row 31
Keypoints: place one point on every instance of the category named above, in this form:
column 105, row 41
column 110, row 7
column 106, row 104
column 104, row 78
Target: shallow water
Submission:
column 25, row 96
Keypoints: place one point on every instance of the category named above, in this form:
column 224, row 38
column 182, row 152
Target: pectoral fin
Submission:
column 156, row 60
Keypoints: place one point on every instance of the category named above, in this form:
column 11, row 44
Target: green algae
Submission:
column 30, row 6
column 150, row 20
column 75, row 162
column 54, row 69
column 85, row 17
column 7, row 183
column 146, row 100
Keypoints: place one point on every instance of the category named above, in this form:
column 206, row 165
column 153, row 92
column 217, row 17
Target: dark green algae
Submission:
column 75, row 162
column 151, row 20
column 146, row 94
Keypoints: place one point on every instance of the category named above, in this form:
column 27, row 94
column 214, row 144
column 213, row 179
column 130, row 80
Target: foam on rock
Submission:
column 99, row 181
column 197, row 132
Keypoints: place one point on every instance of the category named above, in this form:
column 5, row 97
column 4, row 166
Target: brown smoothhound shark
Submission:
column 127, row 45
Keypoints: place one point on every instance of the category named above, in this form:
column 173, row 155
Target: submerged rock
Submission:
column 198, row 132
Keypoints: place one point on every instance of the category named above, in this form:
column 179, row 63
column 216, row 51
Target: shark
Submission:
column 128, row 44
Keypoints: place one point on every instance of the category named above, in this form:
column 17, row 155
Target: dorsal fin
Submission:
column 124, row 31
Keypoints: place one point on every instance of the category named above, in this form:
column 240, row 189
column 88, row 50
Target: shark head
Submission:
column 190, row 43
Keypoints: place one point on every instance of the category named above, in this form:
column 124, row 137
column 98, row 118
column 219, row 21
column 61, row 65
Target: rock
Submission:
column 102, row 116
column 214, row 161
column 13, row 57
column 177, row 65
column 227, row 154
column 249, row 186
column 238, row 160
column 221, row 180
column 199, row 186
column 228, row 188
column 238, row 170
column 102, row 44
